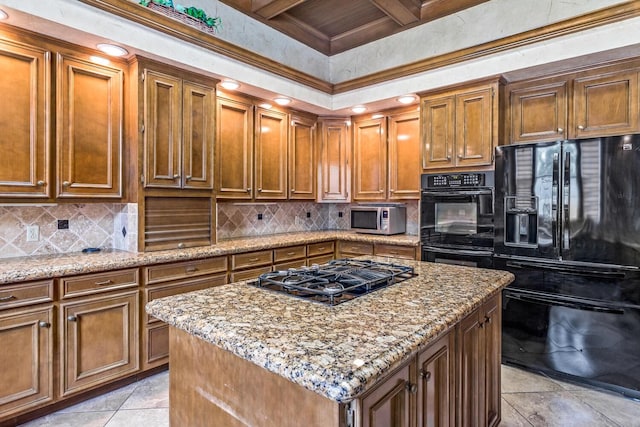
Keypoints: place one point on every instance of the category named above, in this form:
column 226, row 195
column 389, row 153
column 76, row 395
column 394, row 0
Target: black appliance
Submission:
column 337, row 281
column 568, row 226
column 456, row 218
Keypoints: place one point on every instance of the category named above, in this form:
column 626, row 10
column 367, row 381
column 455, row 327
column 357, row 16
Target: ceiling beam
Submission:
column 398, row 10
column 434, row 9
column 273, row 8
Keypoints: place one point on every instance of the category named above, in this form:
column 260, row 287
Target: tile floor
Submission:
column 527, row 400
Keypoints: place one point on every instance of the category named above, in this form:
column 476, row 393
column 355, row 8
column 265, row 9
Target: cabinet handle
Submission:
column 44, row 324
column 180, row 245
column 290, row 253
column 321, row 249
column 40, row 183
column 448, row 157
column 425, row 375
column 66, row 183
column 411, row 388
column 460, row 156
column 176, row 176
column 481, row 325
column 191, row 269
column 580, row 127
column 72, row 318
column 259, row 190
column 7, row 298
column 560, row 130
column 487, row 319
column 104, row 282
column 293, row 190
column 248, row 189
column 254, row 259
column 188, row 177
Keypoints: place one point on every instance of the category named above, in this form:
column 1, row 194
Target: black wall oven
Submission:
column 456, row 218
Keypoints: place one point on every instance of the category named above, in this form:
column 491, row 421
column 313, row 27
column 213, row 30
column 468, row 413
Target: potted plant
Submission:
column 189, row 15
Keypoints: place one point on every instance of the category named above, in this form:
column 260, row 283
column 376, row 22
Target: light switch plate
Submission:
column 33, row 233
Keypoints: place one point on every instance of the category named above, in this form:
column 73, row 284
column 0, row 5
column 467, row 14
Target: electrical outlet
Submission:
column 308, row 214
column 33, row 233
column 260, row 216
column 339, row 214
column 63, row 224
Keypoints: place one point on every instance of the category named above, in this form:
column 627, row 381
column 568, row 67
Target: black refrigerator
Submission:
column 568, row 226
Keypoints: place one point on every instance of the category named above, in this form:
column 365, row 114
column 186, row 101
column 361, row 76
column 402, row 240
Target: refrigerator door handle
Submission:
column 567, row 199
column 568, row 270
column 554, row 200
column 569, row 304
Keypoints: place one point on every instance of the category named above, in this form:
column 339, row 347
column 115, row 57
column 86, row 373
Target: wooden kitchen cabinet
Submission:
column 320, row 253
column 396, row 251
column 334, row 169
column 24, row 140
column 460, row 127
column 89, row 129
column 479, row 351
column 179, row 126
column 289, row 257
column 270, row 151
column 99, row 329
column 404, row 156
column 302, row 158
column 390, row 403
column 370, row 159
column 436, row 400
column 349, row 249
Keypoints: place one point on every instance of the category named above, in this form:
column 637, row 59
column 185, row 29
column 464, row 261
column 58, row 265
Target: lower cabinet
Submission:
column 436, row 383
column 389, row 404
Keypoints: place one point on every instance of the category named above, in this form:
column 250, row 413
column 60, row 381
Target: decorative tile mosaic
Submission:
column 90, row 225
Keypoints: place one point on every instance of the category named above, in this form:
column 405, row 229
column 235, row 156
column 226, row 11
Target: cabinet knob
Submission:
column 188, row 177
column 44, row 324
column 66, row 183
column 293, row 190
column 180, row 245
column 411, row 388
column 248, row 189
column 259, row 190
column 448, row 157
column 426, row 375
column 40, row 183
column 6, row 298
column 560, row 130
column 580, row 127
column 487, row 319
column 176, row 176
column 460, row 156
column 72, row 318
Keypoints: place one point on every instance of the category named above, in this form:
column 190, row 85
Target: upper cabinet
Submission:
column 179, row 130
column 404, row 156
column 370, row 159
column 24, row 140
column 334, row 173
column 460, row 127
column 270, row 144
column 593, row 103
column 302, row 158
column 90, row 121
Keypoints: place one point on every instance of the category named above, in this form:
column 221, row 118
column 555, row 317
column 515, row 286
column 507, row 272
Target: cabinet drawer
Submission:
column 292, row 252
column 27, row 293
column 156, row 292
column 181, row 270
column 248, row 274
column 283, row 266
column 88, row 284
column 320, row 259
column 251, row 259
column 408, row 252
column 321, row 248
column 359, row 248
column 156, row 345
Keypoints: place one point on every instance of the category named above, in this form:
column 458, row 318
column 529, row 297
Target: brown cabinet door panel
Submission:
column 436, row 383
column 493, row 352
column 334, row 161
column 474, row 125
column 404, row 156
column 302, row 160
column 89, row 129
column 539, row 113
column 198, row 132
column 388, row 404
column 26, row 361
column 24, row 140
column 271, row 135
column 163, row 130
column 471, row 372
column 438, row 132
column 606, row 105
column 370, row 160
column 234, row 149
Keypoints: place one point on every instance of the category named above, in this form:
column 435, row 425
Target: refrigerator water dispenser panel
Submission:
column 521, row 221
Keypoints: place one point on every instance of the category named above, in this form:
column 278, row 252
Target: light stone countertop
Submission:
column 338, row 351
column 37, row 267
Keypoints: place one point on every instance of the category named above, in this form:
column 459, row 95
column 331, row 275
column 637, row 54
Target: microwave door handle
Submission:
column 554, row 200
column 457, row 193
column 566, row 178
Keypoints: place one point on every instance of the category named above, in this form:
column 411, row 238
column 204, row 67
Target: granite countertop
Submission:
column 337, row 351
column 47, row 266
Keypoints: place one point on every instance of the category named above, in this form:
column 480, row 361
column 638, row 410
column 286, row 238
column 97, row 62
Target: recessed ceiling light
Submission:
column 358, row 109
column 3, row 14
column 281, row 100
column 265, row 105
column 230, row 84
column 112, row 49
column 407, row 99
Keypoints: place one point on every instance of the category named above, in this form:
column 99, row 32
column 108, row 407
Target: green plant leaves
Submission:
column 194, row 12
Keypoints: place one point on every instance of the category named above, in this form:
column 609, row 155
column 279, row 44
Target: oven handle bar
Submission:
column 457, row 193
column 458, row 251
column 568, row 270
column 557, row 302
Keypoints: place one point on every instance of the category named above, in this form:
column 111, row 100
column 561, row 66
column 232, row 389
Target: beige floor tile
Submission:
column 83, row 419
column 511, row 417
column 111, row 401
column 556, row 409
column 516, row 380
column 158, row 417
column 152, row 392
column 623, row 411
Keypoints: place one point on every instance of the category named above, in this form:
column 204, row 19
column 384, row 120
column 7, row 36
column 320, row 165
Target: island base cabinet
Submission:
column 436, row 383
column 389, row 404
column 212, row 387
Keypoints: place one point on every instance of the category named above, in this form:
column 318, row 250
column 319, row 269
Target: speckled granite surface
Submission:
column 45, row 266
column 336, row 351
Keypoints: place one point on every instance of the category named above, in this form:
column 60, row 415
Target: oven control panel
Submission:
column 480, row 179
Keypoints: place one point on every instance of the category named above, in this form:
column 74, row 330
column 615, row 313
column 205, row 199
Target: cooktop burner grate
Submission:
column 335, row 282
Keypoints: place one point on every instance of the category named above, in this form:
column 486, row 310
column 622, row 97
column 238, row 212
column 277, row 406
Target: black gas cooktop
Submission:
column 337, row 281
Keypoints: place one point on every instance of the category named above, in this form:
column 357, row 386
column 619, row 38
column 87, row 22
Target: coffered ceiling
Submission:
column 333, row 26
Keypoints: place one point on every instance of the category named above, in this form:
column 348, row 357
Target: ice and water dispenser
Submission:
column 521, row 221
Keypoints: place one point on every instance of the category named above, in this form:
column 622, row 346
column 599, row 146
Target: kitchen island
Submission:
column 242, row 355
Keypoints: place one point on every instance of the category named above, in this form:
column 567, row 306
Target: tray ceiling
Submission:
column 333, row 26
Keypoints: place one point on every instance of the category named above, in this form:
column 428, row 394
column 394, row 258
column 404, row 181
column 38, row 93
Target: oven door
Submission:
column 457, row 218
column 471, row 258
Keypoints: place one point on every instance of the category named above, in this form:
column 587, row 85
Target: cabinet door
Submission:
column 335, row 177
column 271, row 140
column 234, row 149
column 493, row 356
column 436, row 384
column 89, row 129
column 539, row 113
column 26, row 360
column 198, row 127
column 163, row 128
column 404, row 156
column 471, row 370
column 474, row 128
column 438, row 132
column 99, row 340
column 389, row 404
column 24, row 140
column 605, row 105
column 370, row 160
column 302, row 159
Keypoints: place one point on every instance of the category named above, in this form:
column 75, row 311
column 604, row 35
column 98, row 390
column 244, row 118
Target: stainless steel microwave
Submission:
column 378, row 219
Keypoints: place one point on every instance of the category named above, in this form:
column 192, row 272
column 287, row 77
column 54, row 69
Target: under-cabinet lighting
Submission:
column 112, row 49
column 377, row 116
column 358, row 109
column 407, row 99
column 265, row 105
column 3, row 15
column 281, row 100
column 99, row 60
column 230, row 84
